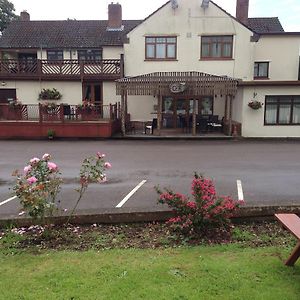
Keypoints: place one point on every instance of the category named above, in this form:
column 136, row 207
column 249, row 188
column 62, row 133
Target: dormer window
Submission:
column 217, row 47
column 53, row 55
column 161, row 48
column 89, row 55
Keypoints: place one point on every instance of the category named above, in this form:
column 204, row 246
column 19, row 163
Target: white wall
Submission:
column 253, row 120
column 188, row 23
column 28, row 91
column 112, row 52
column 109, row 93
column 282, row 53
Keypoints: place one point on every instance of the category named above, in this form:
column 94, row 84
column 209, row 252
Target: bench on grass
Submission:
column 292, row 223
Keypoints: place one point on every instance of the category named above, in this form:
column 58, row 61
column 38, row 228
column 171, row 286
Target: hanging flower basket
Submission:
column 255, row 104
column 50, row 94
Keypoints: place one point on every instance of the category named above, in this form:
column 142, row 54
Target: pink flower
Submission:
column 107, row 165
column 100, row 155
column 34, row 161
column 191, row 204
column 32, row 180
column 46, row 156
column 27, row 169
column 52, row 166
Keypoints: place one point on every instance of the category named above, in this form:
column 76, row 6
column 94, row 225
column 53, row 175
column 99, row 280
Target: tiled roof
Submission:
column 63, row 34
column 265, row 25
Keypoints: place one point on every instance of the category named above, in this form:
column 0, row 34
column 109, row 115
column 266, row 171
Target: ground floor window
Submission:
column 282, row 110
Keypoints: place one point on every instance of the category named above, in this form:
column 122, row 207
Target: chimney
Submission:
column 242, row 10
column 24, row 16
column 114, row 17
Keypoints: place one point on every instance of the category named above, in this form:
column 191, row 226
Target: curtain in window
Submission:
column 160, row 51
column 296, row 113
column 227, row 50
column 271, row 113
column 150, row 51
column 284, row 113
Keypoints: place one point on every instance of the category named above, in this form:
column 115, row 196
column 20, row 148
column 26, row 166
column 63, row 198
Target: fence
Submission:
column 59, row 113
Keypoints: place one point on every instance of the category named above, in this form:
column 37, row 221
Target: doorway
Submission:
column 7, row 95
column 177, row 111
column 92, row 92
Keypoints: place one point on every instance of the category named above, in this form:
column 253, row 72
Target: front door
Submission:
column 92, row 92
column 177, row 112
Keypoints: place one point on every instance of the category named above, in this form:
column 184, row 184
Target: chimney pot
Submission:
column 114, row 16
column 242, row 11
column 24, row 16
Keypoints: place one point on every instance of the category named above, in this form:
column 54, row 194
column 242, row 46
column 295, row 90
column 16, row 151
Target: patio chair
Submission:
column 150, row 126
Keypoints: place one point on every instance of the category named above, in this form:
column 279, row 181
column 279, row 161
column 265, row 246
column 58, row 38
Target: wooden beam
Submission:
column 194, row 117
column 123, row 121
column 159, row 114
column 230, row 116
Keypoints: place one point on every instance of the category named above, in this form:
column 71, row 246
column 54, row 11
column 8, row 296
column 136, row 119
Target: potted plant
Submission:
column 50, row 94
column 50, row 134
column 254, row 104
column 86, row 109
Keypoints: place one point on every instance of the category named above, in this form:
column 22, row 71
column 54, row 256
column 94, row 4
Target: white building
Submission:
column 83, row 59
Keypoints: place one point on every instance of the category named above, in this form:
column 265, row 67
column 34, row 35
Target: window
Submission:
column 261, row 70
column 216, row 47
column 161, row 48
column 55, row 55
column 282, row 110
column 89, row 55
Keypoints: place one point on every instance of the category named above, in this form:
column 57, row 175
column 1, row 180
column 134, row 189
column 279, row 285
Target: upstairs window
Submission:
column 282, row 110
column 261, row 70
column 53, row 55
column 89, row 55
column 161, row 48
column 216, row 47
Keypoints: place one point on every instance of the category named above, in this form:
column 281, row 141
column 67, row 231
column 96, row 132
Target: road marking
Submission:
column 130, row 194
column 8, row 200
column 240, row 190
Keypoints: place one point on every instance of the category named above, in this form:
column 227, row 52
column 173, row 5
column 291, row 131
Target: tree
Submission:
column 7, row 14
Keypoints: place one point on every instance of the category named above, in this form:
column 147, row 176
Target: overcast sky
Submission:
column 288, row 11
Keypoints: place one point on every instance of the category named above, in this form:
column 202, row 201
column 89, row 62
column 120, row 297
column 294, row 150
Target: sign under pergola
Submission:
column 187, row 83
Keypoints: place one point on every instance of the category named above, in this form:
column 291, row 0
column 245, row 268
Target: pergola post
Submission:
column 194, row 117
column 123, row 120
column 230, row 116
column 226, row 108
column 159, row 113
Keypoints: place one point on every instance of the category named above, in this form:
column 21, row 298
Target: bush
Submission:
column 38, row 186
column 206, row 211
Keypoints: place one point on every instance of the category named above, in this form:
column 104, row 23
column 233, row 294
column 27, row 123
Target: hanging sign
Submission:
column 177, row 87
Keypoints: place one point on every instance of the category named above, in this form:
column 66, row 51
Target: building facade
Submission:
column 84, row 60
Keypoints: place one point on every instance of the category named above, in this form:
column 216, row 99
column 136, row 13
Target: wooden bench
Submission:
column 292, row 223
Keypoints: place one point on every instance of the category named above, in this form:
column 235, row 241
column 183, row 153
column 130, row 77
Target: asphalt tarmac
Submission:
column 269, row 171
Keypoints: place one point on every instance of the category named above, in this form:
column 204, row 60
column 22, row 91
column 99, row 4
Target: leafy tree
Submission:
column 7, row 14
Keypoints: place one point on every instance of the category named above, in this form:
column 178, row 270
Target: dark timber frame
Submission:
column 195, row 84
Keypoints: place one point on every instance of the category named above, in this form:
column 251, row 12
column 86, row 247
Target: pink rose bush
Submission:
column 38, row 187
column 205, row 211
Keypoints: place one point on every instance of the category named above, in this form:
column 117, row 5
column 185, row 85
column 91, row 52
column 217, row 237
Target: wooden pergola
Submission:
column 190, row 84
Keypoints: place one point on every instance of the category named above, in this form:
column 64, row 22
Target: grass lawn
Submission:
column 202, row 272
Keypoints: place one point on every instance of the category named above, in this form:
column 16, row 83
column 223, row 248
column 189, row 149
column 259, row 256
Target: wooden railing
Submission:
column 59, row 113
column 64, row 69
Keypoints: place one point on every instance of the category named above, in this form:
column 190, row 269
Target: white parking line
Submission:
column 8, row 200
column 130, row 194
column 240, row 190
